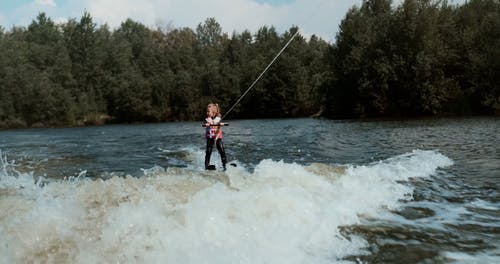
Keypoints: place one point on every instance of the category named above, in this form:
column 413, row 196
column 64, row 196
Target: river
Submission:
column 302, row 191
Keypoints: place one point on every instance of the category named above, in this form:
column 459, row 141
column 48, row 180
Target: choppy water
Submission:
column 304, row 191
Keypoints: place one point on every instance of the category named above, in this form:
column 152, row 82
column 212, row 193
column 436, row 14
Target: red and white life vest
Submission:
column 214, row 130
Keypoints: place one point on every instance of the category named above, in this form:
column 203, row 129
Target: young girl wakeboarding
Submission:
column 213, row 126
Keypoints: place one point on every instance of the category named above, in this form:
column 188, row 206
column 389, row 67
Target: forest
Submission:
column 417, row 58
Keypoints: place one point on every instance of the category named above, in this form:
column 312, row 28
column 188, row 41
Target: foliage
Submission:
column 421, row 57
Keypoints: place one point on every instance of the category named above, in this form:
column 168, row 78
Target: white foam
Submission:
column 280, row 213
column 482, row 204
column 480, row 258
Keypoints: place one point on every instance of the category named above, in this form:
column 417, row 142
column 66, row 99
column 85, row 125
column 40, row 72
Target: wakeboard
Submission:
column 212, row 167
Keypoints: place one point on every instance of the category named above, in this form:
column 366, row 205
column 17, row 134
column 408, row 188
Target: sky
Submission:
column 319, row 17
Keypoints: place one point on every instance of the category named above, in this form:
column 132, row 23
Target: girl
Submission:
column 213, row 126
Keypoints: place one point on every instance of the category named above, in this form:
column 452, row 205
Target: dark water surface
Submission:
column 406, row 192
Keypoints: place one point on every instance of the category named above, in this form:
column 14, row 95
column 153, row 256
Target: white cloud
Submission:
column 113, row 13
column 3, row 20
column 60, row 20
column 320, row 17
column 45, row 2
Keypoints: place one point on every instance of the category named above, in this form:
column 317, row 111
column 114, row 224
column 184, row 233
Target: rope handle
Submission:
column 218, row 125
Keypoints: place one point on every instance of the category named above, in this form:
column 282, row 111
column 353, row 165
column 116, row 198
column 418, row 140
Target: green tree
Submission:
column 8, row 54
column 32, row 78
column 210, row 47
column 422, row 58
column 398, row 62
column 346, row 59
column 266, row 45
column 144, row 79
column 478, row 27
column 180, row 52
column 81, row 41
column 49, row 57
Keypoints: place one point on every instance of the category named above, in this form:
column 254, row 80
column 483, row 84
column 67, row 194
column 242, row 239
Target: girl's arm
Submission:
column 208, row 121
column 217, row 121
column 213, row 122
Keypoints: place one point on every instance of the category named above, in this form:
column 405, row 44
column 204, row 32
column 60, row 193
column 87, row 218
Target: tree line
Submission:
column 421, row 57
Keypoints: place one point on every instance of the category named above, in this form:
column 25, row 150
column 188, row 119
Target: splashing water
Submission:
column 278, row 213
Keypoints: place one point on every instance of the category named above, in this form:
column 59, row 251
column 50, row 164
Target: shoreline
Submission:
column 360, row 119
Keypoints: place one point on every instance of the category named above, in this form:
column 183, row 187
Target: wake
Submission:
column 278, row 213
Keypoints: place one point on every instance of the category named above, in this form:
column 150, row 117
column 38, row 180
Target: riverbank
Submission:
column 103, row 119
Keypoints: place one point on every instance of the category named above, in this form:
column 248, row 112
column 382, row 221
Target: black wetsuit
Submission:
column 220, row 148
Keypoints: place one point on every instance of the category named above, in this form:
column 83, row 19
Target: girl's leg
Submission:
column 222, row 152
column 208, row 151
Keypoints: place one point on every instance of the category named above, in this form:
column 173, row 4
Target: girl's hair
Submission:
column 215, row 108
